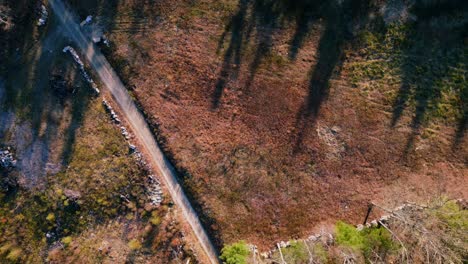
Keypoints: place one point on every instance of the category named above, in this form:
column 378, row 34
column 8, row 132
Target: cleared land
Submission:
column 283, row 117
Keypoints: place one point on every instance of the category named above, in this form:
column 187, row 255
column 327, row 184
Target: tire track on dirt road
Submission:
column 138, row 124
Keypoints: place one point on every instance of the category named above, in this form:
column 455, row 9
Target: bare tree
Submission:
column 431, row 239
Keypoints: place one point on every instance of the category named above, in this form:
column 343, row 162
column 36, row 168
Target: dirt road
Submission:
column 137, row 122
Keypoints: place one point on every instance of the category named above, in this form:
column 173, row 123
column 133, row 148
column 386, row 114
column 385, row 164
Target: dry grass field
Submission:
column 285, row 117
column 281, row 117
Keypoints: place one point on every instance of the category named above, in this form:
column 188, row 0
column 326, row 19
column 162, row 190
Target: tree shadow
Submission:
column 232, row 56
column 264, row 18
column 32, row 99
column 260, row 19
column 104, row 12
column 463, row 123
column 428, row 59
column 257, row 21
column 339, row 21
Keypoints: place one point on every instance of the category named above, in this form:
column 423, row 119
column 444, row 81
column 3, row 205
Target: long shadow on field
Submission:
column 432, row 66
column 232, row 56
column 339, row 20
column 258, row 21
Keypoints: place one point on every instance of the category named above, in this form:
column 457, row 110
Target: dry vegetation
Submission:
column 282, row 116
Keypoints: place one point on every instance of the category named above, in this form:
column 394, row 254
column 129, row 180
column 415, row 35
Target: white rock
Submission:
column 87, row 20
column 44, row 15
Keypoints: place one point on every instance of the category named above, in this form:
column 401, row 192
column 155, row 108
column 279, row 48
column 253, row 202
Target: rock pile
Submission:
column 117, row 121
column 154, row 190
column 124, row 132
column 7, row 161
column 153, row 186
column 102, row 39
column 111, row 111
column 105, row 40
column 72, row 194
column 78, row 61
column 44, row 15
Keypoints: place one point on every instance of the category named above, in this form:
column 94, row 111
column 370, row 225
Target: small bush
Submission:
column 296, row 253
column 236, row 253
column 155, row 219
column 50, row 217
column 5, row 248
column 67, row 240
column 134, row 244
column 348, row 235
column 368, row 241
column 455, row 217
column 378, row 241
column 15, row 254
column 320, row 253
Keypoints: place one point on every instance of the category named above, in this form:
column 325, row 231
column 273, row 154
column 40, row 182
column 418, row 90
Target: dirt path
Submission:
column 137, row 122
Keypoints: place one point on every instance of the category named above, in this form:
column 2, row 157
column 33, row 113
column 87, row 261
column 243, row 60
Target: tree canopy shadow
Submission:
column 429, row 58
column 339, row 21
column 31, row 97
column 232, row 56
column 258, row 21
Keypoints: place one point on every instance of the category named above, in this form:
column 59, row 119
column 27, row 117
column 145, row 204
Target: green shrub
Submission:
column 67, row 240
column 15, row 254
column 320, row 253
column 155, row 219
column 236, row 253
column 5, row 248
column 367, row 241
column 50, row 217
column 296, row 253
column 455, row 217
column 347, row 235
column 134, row 244
column 377, row 240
